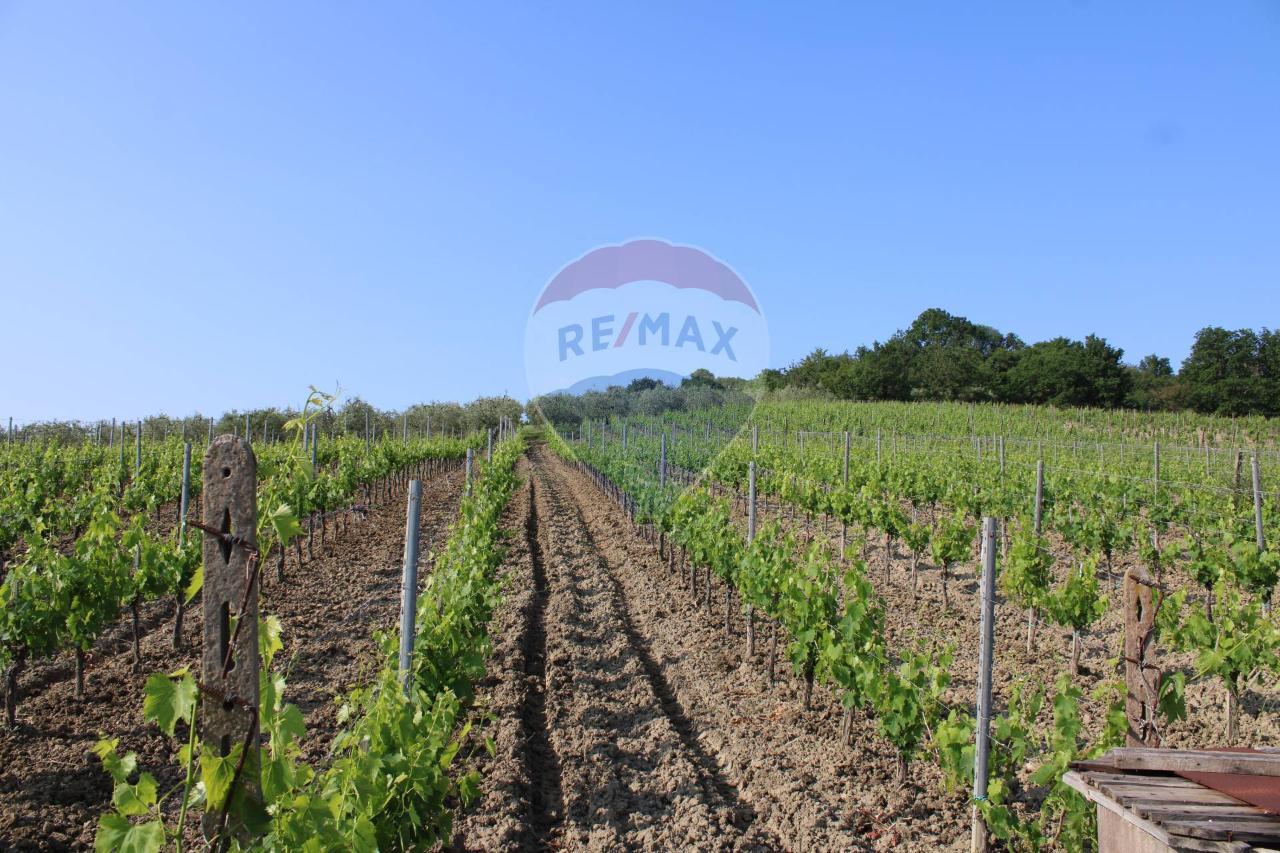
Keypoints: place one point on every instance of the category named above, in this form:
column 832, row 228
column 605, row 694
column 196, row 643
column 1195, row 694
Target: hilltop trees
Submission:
column 942, row 356
column 945, row 357
column 1234, row 373
column 1063, row 372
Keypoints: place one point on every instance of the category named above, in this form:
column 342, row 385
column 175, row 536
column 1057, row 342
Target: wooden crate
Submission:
column 1144, row 806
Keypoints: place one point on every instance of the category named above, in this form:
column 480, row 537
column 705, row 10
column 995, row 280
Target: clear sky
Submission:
column 213, row 205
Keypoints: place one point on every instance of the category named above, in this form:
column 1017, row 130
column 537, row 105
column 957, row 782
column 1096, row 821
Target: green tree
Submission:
column 1233, row 372
column 1063, row 372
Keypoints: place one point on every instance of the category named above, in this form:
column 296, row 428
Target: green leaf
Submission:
column 277, row 778
column 292, row 723
column 119, row 768
column 469, row 787
column 285, row 524
column 117, row 835
column 1173, row 704
column 1045, row 773
column 217, row 772
column 169, row 698
column 133, row 800
column 269, row 642
column 197, row 582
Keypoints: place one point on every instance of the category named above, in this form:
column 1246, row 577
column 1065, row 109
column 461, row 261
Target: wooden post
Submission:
column 409, row 584
column 1235, row 483
column 229, row 664
column 488, row 450
column 1142, row 678
column 986, row 661
column 470, row 457
column 1000, row 441
column 1142, row 690
column 662, row 461
column 755, row 439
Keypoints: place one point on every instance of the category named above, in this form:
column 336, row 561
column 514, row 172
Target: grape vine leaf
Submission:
column 197, row 582
column 134, row 800
column 169, row 698
column 285, row 523
column 116, row 833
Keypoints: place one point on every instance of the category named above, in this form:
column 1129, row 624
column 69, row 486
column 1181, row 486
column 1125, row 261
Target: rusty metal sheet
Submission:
column 1260, row 791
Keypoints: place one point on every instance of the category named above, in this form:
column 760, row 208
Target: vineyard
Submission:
column 736, row 628
column 852, row 544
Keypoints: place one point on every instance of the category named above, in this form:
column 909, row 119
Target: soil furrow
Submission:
column 714, row 783
column 546, row 801
column 634, row 772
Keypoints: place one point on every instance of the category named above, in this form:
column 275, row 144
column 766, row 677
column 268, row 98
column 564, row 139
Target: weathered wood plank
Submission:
column 1117, row 835
column 1141, row 779
column 1187, row 760
column 1206, row 810
column 1207, row 796
column 1211, row 830
column 1196, row 834
column 1076, row 781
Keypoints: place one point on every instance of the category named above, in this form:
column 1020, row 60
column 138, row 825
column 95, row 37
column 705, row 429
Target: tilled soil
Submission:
column 623, row 720
column 53, row 789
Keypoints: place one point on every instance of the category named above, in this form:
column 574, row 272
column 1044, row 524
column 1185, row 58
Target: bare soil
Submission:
column 623, row 720
column 52, row 787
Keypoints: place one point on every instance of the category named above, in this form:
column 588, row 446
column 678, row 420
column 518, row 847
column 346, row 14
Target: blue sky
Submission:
column 206, row 206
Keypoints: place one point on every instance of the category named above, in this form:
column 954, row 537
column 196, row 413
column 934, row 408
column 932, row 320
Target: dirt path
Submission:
column 660, row 735
column 53, row 789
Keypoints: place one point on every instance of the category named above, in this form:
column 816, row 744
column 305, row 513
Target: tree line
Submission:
column 348, row 417
column 942, row 356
